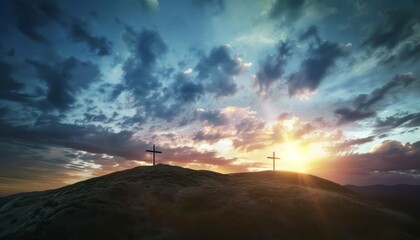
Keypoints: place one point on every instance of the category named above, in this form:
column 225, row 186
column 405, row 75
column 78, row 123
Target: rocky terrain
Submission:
column 167, row 202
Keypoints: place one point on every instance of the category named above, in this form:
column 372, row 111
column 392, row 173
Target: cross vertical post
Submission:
column 154, row 153
column 274, row 160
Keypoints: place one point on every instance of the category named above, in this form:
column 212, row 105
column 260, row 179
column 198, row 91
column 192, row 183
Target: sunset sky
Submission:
column 87, row 86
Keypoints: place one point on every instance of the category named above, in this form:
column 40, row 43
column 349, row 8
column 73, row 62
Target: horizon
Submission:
column 278, row 171
column 87, row 87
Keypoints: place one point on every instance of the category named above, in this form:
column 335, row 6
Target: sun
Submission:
column 298, row 157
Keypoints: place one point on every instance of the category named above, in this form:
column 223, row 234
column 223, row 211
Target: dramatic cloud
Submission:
column 397, row 35
column 247, row 132
column 348, row 146
column 147, row 46
column 86, row 88
column 363, row 104
column 312, row 31
column 140, row 77
column 289, row 9
column 98, row 44
column 388, row 162
column 98, row 140
column 64, row 80
column 94, row 117
column 212, row 117
column 209, row 136
column 10, row 89
column 272, row 68
column 218, row 69
column 185, row 89
column 397, row 120
column 410, row 51
column 321, row 57
column 346, row 114
column 86, row 138
column 32, row 15
column 399, row 26
column 239, row 125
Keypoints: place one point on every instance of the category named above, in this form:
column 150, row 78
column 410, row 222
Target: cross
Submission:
column 154, row 152
column 274, row 160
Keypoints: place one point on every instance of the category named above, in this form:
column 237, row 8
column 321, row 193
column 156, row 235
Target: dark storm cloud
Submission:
column 185, row 90
column 80, row 32
column 218, row 58
column 3, row 112
column 142, row 77
column 272, row 68
column 98, row 140
column 321, row 58
column 212, row 117
column 388, row 163
column 87, row 138
column 11, row 52
column 397, row 120
column 349, row 145
column 399, row 26
column 116, row 90
column 363, row 104
column 397, row 29
column 10, row 89
column 148, row 45
column 346, row 114
column 389, row 156
column 64, row 80
column 410, row 51
column 32, row 15
column 136, row 120
column 312, row 31
column 208, row 137
column 94, row 117
column 139, row 79
column 290, row 9
column 35, row 169
column 218, row 70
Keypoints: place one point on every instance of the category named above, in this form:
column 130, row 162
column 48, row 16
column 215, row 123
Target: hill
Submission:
column 166, row 202
column 400, row 197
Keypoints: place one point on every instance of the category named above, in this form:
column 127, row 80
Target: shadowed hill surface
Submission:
column 401, row 197
column 166, row 202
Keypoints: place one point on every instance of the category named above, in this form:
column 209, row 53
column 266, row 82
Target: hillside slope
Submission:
column 400, row 197
column 166, row 202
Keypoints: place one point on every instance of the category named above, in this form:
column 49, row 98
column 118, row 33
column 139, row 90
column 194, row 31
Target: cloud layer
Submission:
column 86, row 87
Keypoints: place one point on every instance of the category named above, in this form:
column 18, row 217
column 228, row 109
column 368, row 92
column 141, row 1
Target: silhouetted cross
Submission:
column 154, row 152
column 274, row 160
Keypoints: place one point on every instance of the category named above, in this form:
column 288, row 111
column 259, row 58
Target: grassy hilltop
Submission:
column 167, row 202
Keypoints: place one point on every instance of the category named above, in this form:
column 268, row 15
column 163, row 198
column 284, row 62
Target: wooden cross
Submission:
column 274, row 160
column 154, row 152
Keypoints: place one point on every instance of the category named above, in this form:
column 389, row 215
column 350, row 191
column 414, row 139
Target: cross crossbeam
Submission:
column 154, row 153
column 274, row 160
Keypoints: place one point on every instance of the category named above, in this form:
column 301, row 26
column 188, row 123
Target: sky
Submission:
column 87, row 86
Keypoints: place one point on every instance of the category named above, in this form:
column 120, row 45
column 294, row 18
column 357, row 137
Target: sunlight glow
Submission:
column 298, row 157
